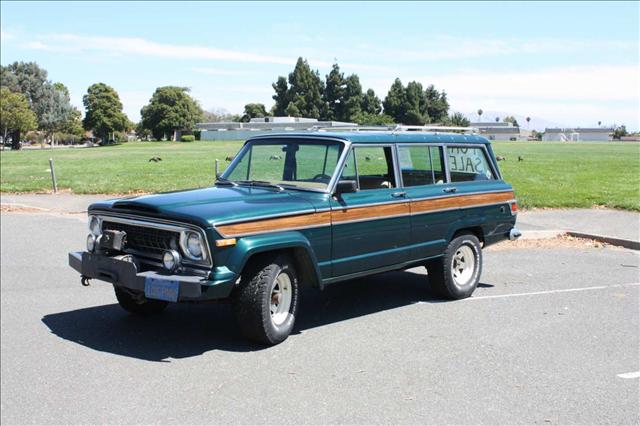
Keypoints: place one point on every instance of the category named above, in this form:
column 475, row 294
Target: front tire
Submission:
column 138, row 304
column 456, row 274
column 266, row 301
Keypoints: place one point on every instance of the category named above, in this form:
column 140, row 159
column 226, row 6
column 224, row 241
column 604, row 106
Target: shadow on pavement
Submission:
column 186, row 330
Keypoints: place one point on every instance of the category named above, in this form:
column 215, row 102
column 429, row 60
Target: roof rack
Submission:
column 398, row 128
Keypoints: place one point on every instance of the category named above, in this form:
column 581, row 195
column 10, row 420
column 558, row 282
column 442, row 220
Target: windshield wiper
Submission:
column 262, row 183
column 224, row 181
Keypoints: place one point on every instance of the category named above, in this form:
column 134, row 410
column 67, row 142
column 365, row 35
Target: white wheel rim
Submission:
column 463, row 265
column 280, row 301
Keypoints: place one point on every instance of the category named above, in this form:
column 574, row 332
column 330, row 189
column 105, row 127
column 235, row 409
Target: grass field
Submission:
column 551, row 175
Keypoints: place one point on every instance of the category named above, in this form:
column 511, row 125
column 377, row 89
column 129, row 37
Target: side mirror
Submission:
column 346, row 186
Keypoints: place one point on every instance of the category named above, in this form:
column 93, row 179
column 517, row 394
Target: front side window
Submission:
column 372, row 167
column 298, row 163
column 421, row 165
column 468, row 164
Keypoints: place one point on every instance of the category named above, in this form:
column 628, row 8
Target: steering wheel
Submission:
column 321, row 177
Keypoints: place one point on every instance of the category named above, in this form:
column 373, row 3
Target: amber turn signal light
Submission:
column 226, row 242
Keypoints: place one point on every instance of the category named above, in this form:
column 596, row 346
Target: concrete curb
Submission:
column 548, row 235
column 630, row 244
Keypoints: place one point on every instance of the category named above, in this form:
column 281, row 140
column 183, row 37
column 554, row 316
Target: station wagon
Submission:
column 312, row 209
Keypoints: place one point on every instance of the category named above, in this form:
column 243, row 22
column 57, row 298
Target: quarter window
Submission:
column 468, row 164
column 421, row 165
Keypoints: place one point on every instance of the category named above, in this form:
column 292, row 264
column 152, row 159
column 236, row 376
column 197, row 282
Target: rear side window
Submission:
column 468, row 164
column 372, row 167
column 421, row 165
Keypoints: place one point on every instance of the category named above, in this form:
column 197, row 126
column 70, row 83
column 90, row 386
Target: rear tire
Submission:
column 138, row 304
column 456, row 274
column 266, row 301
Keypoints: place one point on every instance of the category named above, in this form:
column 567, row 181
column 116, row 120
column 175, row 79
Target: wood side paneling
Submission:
column 361, row 213
column 370, row 212
column 460, row 201
column 276, row 224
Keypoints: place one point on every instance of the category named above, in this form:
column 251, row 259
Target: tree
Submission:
column 353, row 98
column 369, row 119
column 416, row 105
column 103, row 111
column 170, row 111
column 253, row 111
column 305, row 90
column 371, row 103
column 528, row 120
column 50, row 103
column 395, row 102
column 281, row 97
column 437, row 104
column 15, row 115
column 619, row 132
column 301, row 94
column 497, row 119
column 511, row 119
column 479, row 114
column 458, row 119
column 599, row 123
column 334, row 94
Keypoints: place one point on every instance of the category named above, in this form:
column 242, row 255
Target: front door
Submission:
column 370, row 227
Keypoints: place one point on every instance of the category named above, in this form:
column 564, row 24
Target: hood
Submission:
column 209, row 206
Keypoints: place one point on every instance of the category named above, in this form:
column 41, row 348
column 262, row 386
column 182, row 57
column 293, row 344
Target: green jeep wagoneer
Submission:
column 305, row 209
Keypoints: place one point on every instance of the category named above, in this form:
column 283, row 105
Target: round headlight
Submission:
column 194, row 245
column 170, row 260
column 91, row 243
column 95, row 225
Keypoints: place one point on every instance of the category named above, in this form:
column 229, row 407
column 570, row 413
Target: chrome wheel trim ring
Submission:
column 280, row 298
column 463, row 265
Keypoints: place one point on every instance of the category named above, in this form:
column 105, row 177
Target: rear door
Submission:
column 424, row 177
column 370, row 227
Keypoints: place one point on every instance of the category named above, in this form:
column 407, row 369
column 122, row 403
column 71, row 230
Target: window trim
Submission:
column 265, row 139
column 393, row 146
column 426, row 145
column 483, row 147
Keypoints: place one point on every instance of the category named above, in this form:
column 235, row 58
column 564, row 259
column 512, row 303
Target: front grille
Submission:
column 145, row 241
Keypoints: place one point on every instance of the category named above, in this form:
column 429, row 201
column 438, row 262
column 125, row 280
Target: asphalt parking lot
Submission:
column 550, row 337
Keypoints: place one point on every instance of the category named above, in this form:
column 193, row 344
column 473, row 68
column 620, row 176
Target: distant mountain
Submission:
column 536, row 123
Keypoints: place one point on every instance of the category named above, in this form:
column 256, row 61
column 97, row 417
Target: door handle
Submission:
column 450, row 189
column 399, row 194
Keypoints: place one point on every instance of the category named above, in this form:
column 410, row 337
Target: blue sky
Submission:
column 567, row 63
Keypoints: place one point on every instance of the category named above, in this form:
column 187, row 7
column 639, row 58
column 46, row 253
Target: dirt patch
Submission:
column 561, row 241
column 14, row 208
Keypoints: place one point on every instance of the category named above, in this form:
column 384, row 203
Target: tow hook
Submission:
column 85, row 281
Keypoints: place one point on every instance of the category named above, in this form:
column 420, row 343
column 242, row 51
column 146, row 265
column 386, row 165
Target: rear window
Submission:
column 468, row 164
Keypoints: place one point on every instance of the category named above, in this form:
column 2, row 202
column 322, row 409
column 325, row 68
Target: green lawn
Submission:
column 551, row 175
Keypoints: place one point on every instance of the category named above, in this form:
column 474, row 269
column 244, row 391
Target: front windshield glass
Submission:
column 295, row 162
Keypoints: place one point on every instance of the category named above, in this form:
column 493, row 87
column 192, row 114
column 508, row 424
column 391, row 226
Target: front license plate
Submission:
column 157, row 288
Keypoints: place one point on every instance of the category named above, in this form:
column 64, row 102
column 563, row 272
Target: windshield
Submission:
column 287, row 162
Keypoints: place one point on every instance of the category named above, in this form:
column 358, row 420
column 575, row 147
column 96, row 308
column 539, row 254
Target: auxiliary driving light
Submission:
column 171, row 260
column 91, row 243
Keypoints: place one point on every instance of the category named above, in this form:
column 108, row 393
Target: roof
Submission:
column 578, row 130
column 383, row 137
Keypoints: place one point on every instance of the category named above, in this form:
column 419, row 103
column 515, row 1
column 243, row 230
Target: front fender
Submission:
column 252, row 245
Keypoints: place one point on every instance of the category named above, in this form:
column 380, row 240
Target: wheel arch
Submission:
column 293, row 243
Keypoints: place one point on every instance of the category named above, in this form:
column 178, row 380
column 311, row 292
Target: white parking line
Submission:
column 633, row 375
column 566, row 290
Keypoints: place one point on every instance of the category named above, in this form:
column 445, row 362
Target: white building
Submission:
column 231, row 130
column 595, row 134
column 497, row 131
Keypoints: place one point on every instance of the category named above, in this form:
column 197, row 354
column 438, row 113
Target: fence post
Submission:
column 53, row 176
column 217, row 168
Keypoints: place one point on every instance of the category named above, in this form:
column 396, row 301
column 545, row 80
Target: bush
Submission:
column 188, row 138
